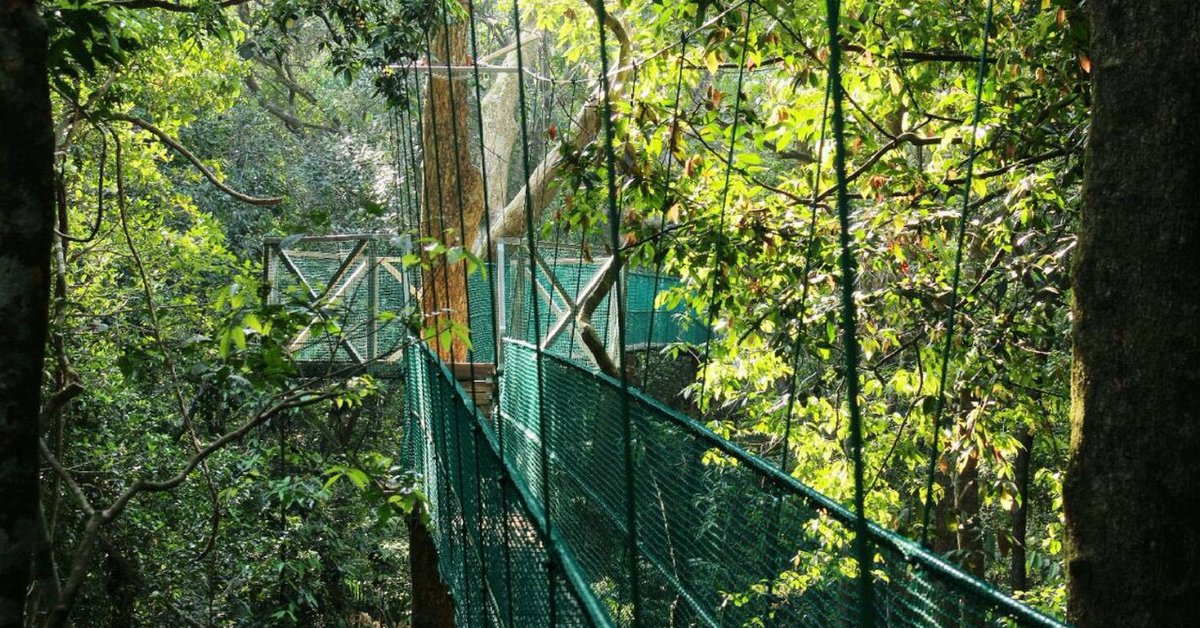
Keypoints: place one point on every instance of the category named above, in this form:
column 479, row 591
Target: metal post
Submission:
column 372, row 301
column 501, row 319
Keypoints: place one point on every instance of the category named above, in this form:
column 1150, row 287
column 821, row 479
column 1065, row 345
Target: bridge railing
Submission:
column 354, row 289
column 566, row 276
column 721, row 538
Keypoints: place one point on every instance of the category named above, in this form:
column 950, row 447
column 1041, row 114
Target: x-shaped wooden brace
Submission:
column 349, row 273
column 566, row 316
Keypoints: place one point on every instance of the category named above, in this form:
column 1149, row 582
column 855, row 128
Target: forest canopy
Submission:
column 192, row 474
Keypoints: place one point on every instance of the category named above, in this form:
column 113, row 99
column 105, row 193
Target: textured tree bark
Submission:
column 968, row 534
column 500, row 130
column 1018, row 579
column 26, row 225
column 453, row 186
column 432, row 605
column 542, row 186
column 1133, row 482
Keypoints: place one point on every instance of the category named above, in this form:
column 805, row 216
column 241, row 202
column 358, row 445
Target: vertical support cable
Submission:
column 531, row 242
column 849, row 321
column 720, row 248
column 496, row 289
column 614, row 231
column 672, row 136
column 445, row 280
column 951, row 316
column 808, row 260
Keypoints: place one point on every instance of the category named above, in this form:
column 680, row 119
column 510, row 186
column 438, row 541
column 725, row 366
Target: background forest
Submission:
column 187, row 133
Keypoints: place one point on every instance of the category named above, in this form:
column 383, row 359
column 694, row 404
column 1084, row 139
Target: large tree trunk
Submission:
column 1018, row 576
column 432, row 605
column 26, row 225
column 542, row 185
column 453, row 186
column 501, row 129
column 1133, row 482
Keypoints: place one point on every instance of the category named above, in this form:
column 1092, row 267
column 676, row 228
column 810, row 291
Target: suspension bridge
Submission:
column 560, row 494
column 571, row 498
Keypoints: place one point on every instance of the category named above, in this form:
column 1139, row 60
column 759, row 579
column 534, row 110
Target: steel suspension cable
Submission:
column 805, row 284
column 531, row 243
column 952, row 314
column 849, row 321
column 496, row 339
column 445, row 275
column 660, row 257
column 719, row 253
column 470, row 351
column 614, row 231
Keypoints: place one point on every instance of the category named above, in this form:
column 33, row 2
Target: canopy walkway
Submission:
column 531, row 511
column 551, row 508
column 576, row 499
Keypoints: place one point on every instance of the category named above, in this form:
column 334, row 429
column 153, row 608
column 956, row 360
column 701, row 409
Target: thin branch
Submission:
column 59, row 400
column 77, row 494
column 903, row 138
column 285, row 78
column 918, row 56
column 279, row 112
column 98, row 518
column 168, row 356
column 171, row 6
column 208, row 174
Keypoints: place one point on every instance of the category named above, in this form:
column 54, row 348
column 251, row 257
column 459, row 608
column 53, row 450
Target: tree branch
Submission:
column 543, row 183
column 170, row 6
column 279, row 112
column 208, row 174
column 98, row 518
column 60, row 399
column 285, row 78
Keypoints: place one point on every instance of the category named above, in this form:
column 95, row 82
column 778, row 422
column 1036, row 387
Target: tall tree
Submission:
column 1134, row 547
column 26, row 223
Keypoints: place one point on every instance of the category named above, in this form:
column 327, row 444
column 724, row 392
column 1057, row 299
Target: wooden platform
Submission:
column 479, row 380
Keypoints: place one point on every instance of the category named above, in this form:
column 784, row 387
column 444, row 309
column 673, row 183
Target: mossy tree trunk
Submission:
column 1133, row 483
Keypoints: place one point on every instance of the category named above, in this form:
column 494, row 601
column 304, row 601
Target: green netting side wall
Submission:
column 677, row 324
column 366, row 302
column 361, row 312
column 489, row 530
column 723, row 539
column 572, row 276
column 480, row 289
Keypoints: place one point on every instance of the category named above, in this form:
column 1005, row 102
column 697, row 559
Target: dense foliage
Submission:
column 757, row 241
column 160, row 335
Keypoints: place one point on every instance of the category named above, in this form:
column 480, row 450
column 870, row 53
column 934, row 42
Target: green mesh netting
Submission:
column 494, row 554
column 352, row 290
column 676, row 324
column 359, row 315
column 646, row 325
column 723, row 539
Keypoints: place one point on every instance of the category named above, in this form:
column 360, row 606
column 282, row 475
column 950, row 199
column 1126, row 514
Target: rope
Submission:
column 951, row 316
column 808, row 259
column 462, row 235
column 614, row 229
column 496, row 339
column 796, row 347
column 720, row 249
column 666, row 204
column 446, row 286
column 849, row 321
column 531, row 241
